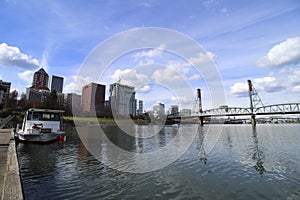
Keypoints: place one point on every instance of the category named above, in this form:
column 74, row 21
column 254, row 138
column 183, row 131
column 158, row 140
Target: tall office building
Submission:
column 36, row 96
column 36, row 93
column 40, row 80
column 4, row 92
column 139, row 107
column 57, row 83
column 185, row 112
column 73, row 102
column 122, row 100
column 93, row 98
column 173, row 110
column 158, row 111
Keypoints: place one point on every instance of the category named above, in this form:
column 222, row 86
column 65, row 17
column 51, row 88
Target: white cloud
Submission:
column 292, row 76
column 12, row 56
column 202, row 59
column 146, row 62
column 150, row 53
column 77, row 83
column 44, row 62
column 143, row 89
column 129, row 77
column 195, row 77
column 15, row 89
column 26, row 76
column 296, row 88
column 179, row 67
column 267, row 84
column 239, row 89
column 118, row 74
column 166, row 75
column 285, row 53
column 183, row 100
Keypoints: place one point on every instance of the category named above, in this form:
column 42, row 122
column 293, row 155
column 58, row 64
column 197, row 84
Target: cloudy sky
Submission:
column 257, row 40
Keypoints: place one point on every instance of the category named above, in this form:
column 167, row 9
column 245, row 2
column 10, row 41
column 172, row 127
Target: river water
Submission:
column 240, row 162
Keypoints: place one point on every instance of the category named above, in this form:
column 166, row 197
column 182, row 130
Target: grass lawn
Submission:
column 100, row 120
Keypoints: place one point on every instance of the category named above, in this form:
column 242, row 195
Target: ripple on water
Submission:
column 228, row 171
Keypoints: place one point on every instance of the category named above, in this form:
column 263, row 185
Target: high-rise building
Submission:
column 158, row 111
column 93, row 98
column 57, row 83
column 185, row 112
column 40, row 80
column 173, row 110
column 139, row 107
column 74, row 102
column 35, row 96
column 122, row 100
column 4, row 92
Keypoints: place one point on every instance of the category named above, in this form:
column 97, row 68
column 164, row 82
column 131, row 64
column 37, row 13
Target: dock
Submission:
column 10, row 180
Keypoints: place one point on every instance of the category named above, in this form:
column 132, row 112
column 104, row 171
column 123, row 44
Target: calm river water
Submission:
column 242, row 163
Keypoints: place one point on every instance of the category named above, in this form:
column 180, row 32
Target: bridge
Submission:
column 253, row 110
column 276, row 109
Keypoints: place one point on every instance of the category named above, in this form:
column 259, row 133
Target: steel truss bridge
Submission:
column 253, row 110
column 277, row 109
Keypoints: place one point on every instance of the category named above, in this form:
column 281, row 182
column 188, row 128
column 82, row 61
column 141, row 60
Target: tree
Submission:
column 50, row 100
column 12, row 100
column 23, row 103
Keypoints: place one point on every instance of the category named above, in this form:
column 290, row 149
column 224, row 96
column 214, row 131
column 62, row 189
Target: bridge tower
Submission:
column 199, row 104
column 199, row 100
column 254, row 101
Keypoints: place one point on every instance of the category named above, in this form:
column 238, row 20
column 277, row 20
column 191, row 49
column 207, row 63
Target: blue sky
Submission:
column 257, row 40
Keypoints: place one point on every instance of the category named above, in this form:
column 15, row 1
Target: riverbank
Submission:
column 10, row 180
column 92, row 121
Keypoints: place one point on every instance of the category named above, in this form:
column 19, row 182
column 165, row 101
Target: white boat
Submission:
column 40, row 126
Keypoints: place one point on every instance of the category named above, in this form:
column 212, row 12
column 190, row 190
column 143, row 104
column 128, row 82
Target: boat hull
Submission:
column 36, row 138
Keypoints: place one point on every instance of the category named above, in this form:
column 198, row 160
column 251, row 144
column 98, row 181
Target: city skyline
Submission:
column 246, row 40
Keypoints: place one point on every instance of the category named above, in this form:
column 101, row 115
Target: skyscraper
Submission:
column 57, row 83
column 93, row 98
column 122, row 100
column 73, row 103
column 173, row 110
column 158, row 112
column 40, row 80
column 139, row 107
column 4, row 92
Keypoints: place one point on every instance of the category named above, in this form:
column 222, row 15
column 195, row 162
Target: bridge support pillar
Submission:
column 253, row 120
column 201, row 121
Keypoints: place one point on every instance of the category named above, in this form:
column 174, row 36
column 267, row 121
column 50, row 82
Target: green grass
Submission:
column 101, row 120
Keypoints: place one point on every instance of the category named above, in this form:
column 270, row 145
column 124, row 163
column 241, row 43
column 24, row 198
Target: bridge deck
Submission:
column 277, row 109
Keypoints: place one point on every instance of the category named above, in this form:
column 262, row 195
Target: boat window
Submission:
column 43, row 116
column 50, row 117
column 29, row 115
column 33, row 116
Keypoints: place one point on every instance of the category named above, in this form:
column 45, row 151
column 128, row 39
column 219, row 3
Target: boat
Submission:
column 41, row 126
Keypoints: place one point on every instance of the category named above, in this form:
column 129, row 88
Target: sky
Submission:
column 239, row 40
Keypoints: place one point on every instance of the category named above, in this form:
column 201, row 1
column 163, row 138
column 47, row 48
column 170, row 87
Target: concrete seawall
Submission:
column 10, row 180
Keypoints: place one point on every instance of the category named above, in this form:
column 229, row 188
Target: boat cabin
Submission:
column 41, row 120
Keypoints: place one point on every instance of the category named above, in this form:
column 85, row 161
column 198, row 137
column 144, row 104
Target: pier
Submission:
column 10, row 180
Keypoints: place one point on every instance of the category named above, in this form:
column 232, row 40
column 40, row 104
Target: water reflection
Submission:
column 200, row 144
column 258, row 154
column 69, row 171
